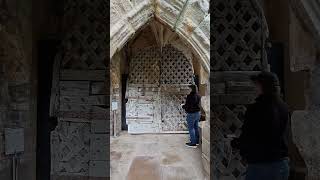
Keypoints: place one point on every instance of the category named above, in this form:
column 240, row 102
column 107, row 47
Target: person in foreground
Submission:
column 192, row 107
column 264, row 140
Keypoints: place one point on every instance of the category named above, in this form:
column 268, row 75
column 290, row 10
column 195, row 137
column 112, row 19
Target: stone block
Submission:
column 206, row 147
column 139, row 15
column 206, row 164
column 206, row 132
column 168, row 11
column 195, row 12
column 203, row 88
column 305, row 131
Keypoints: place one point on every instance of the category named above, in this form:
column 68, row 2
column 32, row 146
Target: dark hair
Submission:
column 193, row 88
column 269, row 83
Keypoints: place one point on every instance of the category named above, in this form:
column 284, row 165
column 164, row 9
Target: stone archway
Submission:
column 240, row 33
column 84, row 115
column 190, row 20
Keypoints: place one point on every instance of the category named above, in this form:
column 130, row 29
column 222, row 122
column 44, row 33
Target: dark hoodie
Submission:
column 265, row 132
column 192, row 102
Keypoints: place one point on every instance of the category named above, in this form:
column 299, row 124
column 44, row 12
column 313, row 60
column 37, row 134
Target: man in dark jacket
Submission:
column 264, row 139
column 192, row 107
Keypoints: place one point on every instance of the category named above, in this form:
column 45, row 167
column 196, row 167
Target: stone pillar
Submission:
column 205, row 131
column 314, row 95
column 305, row 129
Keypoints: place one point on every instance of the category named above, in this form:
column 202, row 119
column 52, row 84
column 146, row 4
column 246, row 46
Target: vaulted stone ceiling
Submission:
column 189, row 19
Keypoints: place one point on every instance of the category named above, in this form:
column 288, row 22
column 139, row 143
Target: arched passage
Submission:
column 159, row 71
column 129, row 16
column 160, row 66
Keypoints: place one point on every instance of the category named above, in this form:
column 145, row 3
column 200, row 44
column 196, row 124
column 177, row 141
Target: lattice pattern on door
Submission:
column 84, row 46
column 151, row 66
column 175, row 67
column 227, row 162
column 145, row 67
column 239, row 36
column 71, row 147
column 169, row 71
column 172, row 115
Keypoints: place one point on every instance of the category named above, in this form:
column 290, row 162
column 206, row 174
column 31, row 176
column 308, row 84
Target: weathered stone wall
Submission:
column 192, row 25
column 116, row 95
column 304, row 56
column 286, row 30
column 205, row 131
column 17, row 101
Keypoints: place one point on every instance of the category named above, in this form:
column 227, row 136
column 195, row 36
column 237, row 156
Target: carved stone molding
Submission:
column 192, row 25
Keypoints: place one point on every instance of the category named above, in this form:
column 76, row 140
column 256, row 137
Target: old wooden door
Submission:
column 238, row 52
column 157, row 85
column 79, row 144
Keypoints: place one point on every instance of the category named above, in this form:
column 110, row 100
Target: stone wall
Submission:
column 205, row 131
column 17, row 99
column 305, row 57
column 191, row 22
column 116, row 95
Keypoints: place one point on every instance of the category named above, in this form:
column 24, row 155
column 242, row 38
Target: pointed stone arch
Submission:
column 129, row 16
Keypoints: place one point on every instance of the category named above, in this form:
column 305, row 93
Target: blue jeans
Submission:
column 278, row 170
column 193, row 125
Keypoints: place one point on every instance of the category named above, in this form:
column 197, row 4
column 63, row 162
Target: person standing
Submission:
column 263, row 142
column 192, row 108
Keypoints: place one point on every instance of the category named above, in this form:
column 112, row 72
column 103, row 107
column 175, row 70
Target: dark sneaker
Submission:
column 191, row 145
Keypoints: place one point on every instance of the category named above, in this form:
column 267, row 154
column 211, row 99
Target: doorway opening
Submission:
column 150, row 76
